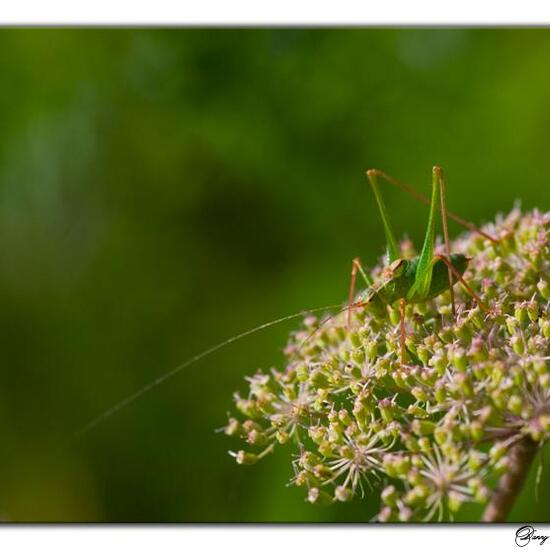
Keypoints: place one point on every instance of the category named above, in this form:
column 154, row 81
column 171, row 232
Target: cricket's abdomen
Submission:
column 440, row 276
column 398, row 287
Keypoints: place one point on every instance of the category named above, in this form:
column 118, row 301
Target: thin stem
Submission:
column 510, row 484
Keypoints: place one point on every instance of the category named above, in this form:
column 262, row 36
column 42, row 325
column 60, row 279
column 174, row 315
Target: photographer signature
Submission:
column 526, row 534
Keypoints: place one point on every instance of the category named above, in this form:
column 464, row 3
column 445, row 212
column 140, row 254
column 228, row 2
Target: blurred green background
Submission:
column 162, row 190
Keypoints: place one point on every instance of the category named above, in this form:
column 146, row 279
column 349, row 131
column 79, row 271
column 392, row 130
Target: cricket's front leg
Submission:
column 355, row 268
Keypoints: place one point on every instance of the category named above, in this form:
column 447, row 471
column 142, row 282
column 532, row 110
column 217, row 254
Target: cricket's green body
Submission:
column 416, row 280
column 402, row 279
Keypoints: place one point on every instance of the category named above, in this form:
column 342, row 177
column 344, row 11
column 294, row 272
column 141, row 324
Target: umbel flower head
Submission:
column 435, row 433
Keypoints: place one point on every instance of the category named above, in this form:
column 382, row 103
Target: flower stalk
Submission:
column 510, row 484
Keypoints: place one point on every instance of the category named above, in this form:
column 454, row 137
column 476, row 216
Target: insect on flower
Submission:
column 413, row 280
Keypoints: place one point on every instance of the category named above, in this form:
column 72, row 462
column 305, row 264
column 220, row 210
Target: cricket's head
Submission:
column 395, row 270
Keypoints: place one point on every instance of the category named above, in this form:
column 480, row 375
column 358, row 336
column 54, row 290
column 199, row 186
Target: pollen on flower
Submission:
column 433, row 435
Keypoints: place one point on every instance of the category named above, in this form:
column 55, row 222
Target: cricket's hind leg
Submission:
column 422, row 198
column 439, row 174
column 460, row 278
column 356, row 267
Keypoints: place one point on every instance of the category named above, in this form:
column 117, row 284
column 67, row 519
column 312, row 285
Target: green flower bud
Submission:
column 244, row 458
column 411, row 443
column 454, row 501
column 438, row 362
column 326, row 448
column 464, row 383
column 420, row 394
column 372, row 350
column 322, row 472
column 248, row 407
column 497, row 451
column 440, row 434
column 423, row 427
column 515, row 404
column 302, row 372
column 308, row 460
column 417, row 495
column 403, row 465
column 257, row 437
column 533, row 311
column 520, row 313
column 317, row 434
column 458, row 358
column 389, row 496
column 395, row 316
column 318, row 379
column 354, row 339
column 539, row 366
column 302, row 479
column 517, row 344
column 476, row 430
column 415, row 410
column 385, row 406
column 544, row 421
column 544, row 289
column 512, row 325
column 344, row 417
column 423, row 354
column 424, row 444
column 476, row 460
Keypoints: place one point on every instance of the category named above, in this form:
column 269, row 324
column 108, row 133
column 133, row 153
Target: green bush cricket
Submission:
column 418, row 279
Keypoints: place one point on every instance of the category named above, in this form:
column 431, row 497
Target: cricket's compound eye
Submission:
column 395, row 269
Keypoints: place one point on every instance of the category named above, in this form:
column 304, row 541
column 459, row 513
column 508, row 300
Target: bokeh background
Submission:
column 161, row 190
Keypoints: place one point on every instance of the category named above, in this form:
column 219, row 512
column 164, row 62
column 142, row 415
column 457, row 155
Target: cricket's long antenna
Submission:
column 446, row 237
column 162, row 378
column 422, row 198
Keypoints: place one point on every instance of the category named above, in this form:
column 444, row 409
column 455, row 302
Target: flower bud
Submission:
column 389, row 495
column 515, row 404
column 318, row 379
column 342, row 493
column 517, row 344
column 326, row 448
column 245, row 458
column 423, row 427
column 454, row 501
column 233, row 427
column 385, row 514
column 405, row 514
column 317, row 496
column 544, row 289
